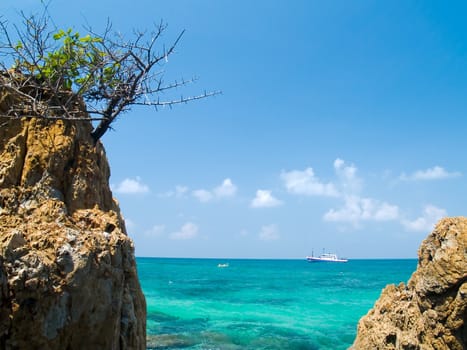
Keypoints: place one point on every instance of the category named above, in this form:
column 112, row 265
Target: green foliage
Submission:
column 76, row 62
column 72, row 63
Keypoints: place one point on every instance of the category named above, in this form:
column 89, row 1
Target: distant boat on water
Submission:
column 223, row 265
column 326, row 257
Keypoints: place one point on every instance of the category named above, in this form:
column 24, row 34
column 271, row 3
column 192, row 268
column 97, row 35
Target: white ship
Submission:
column 326, row 257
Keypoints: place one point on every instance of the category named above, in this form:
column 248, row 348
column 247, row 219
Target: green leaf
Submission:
column 86, row 39
column 60, row 34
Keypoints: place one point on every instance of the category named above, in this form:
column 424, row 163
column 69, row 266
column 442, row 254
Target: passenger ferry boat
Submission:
column 326, row 257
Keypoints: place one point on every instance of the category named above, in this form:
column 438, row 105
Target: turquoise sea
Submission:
column 261, row 304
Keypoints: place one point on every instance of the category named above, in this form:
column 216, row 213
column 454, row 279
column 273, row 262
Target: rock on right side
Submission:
column 430, row 311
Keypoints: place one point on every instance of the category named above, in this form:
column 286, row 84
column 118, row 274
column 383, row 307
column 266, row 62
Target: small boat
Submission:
column 326, row 257
column 223, row 265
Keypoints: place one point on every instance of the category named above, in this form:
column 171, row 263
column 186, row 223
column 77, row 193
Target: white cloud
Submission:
column 427, row 221
column 349, row 181
column 386, row 212
column 347, row 187
column 269, row 233
column 357, row 209
column 435, row 173
column 131, row 186
column 306, row 183
column 203, row 195
column 156, row 231
column 226, row 189
column 179, row 192
column 264, row 199
column 187, row 231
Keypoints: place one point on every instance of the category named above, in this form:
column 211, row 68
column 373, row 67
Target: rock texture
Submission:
column 68, row 276
column 431, row 311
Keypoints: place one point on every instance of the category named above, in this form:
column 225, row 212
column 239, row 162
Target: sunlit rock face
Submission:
column 68, row 276
column 431, row 311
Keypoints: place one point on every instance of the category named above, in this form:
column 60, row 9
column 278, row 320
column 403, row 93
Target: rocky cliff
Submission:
column 430, row 312
column 68, row 277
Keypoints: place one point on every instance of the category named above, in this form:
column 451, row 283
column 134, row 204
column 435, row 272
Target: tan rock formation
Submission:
column 68, row 276
column 431, row 311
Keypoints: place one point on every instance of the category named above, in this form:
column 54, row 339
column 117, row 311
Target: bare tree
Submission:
column 54, row 70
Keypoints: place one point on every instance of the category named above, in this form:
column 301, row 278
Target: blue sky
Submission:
column 342, row 125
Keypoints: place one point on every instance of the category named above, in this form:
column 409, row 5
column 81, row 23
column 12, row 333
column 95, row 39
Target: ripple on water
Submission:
column 179, row 326
column 220, row 341
column 169, row 341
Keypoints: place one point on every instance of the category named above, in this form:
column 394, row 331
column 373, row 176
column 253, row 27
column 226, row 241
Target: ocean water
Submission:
column 261, row 304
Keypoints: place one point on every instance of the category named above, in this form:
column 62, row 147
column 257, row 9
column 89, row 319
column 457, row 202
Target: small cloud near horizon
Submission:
column 305, row 182
column 188, row 231
column 179, row 192
column 156, row 231
column 426, row 222
column 357, row 209
column 224, row 190
column 131, row 186
column 434, row 173
column 265, row 199
column 202, row 195
column 350, row 183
